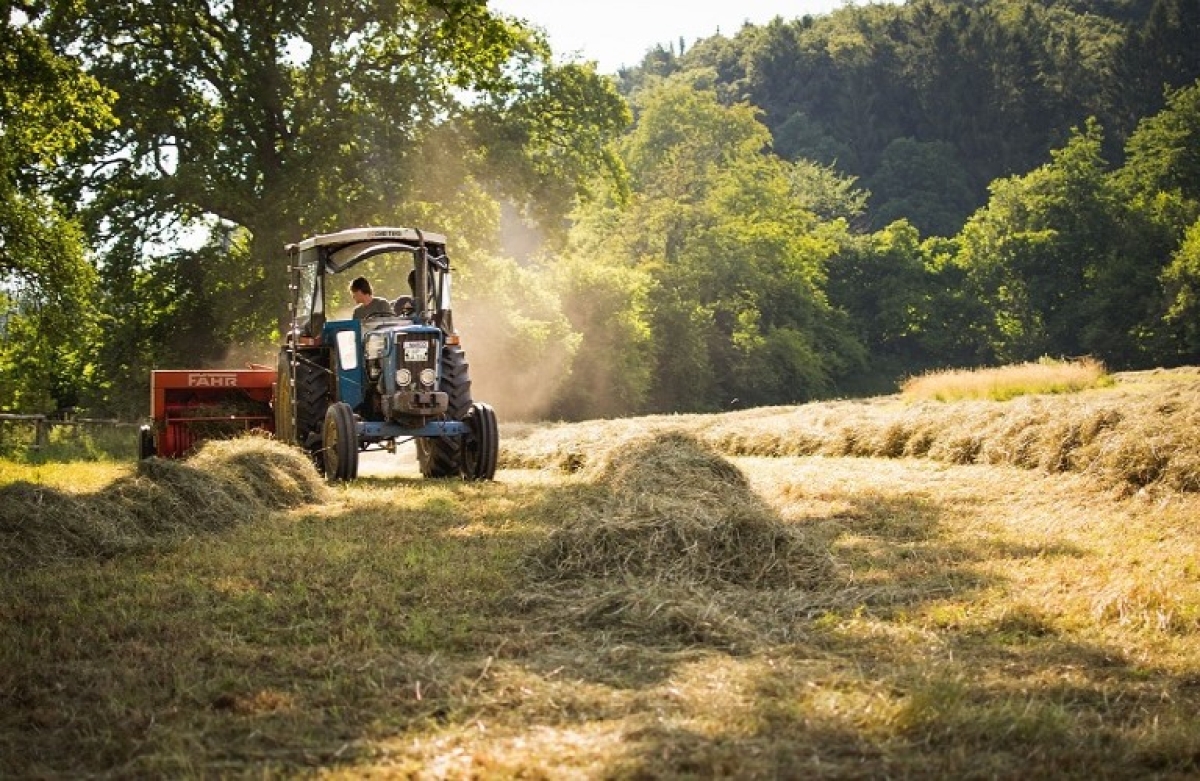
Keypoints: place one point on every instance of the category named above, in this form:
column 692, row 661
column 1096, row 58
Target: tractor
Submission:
column 345, row 385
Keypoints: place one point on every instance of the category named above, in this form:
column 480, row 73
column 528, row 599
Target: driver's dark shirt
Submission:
column 377, row 306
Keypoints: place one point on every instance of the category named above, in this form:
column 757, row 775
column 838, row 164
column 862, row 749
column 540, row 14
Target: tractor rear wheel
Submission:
column 480, row 448
column 301, row 401
column 340, row 443
column 439, row 456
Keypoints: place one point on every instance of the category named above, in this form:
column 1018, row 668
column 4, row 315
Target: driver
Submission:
column 367, row 303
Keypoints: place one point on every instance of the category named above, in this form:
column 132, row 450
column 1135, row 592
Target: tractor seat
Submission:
column 403, row 306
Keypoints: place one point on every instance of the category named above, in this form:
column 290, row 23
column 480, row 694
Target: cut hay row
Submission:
column 226, row 483
column 664, row 538
column 1128, row 438
column 669, row 509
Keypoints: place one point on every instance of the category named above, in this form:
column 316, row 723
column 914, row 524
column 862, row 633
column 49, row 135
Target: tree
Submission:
column 1160, row 54
column 48, row 108
column 1181, row 279
column 301, row 116
column 824, row 192
column 879, row 281
column 1163, row 154
column 923, row 183
column 296, row 117
column 1161, row 182
column 727, row 255
column 1056, row 255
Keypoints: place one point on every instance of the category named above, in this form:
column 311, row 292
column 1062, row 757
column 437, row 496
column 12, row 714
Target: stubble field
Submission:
column 851, row 589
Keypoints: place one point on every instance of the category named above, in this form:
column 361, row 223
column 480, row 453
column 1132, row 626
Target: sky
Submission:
column 618, row 33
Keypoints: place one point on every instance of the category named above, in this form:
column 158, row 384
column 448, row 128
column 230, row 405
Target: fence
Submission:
column 105, row 434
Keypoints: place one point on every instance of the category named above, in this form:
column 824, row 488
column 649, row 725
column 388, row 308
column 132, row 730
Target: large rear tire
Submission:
column 480, row 449
column 439, row 456
column 340, row 443
column 300, row 405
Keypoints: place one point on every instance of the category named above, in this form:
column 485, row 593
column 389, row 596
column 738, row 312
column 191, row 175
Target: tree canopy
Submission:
column 48, row 108
column 810, row 207
column 255, row 125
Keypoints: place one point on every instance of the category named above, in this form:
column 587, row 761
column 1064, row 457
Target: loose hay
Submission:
column 1133, row 436
column 226, row 483
column 668, row 508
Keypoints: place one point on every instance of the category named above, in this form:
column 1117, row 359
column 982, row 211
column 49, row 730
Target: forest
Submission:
column 808, row 209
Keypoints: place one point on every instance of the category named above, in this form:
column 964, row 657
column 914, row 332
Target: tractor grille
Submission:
column 417, row 353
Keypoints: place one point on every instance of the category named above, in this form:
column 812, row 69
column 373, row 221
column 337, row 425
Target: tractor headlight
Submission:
column 403, row 378
column 428, row 376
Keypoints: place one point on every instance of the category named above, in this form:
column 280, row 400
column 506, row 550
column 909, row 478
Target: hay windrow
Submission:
column 226, row 483
column 669, row 509
column 1139, row 434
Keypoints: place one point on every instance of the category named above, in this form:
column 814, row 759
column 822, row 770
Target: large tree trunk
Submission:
column 267, row 253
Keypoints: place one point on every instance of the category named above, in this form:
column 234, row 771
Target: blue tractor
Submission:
column 345, row 385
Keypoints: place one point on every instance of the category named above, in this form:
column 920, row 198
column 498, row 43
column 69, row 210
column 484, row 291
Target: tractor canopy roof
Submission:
column 339, row 251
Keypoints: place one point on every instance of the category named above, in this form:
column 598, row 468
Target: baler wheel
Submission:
column 340, row 443
column 146, row 446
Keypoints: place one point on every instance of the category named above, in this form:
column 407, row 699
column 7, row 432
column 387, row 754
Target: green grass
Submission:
column 975, row 620
column 68, row 443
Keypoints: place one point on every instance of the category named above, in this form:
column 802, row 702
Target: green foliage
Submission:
column 543, row 142
column 990, row 86
column 67, row 443
column 696, row 266
column 518, row 339
column 1182, row 281
column 881, row 283
column 606, row 303
column 1164, row 151
column 48, row 108
column 923, row 183
column 733, row 266
column 1039, row 252
column 270, row 124
column 185, row 309
column 820, row 189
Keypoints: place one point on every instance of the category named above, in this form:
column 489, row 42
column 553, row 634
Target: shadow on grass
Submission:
column 994, row 703
column 404, row 623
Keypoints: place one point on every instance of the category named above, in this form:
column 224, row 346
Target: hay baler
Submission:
column 189, row 406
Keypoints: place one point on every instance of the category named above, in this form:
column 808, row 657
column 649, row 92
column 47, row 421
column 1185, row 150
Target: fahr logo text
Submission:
column 212, row 380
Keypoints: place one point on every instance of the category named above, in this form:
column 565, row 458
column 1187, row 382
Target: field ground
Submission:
column 911, row 618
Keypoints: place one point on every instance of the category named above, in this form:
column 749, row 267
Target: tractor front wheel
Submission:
column 340, row 443
column 440, row 456
column 480, row 449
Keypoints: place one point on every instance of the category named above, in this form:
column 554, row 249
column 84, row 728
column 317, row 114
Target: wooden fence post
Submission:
column 41, row 432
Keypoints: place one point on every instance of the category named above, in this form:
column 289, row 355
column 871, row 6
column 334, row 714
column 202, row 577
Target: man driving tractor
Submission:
column 367, row 303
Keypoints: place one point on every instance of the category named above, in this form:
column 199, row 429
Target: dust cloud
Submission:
column 520, row 380
column 245, row 356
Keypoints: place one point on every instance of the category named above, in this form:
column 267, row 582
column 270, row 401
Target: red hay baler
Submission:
column 189, row 406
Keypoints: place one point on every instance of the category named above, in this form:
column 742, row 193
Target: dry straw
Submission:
column 1132, row 436
column 226, row 483
column 667, row 508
